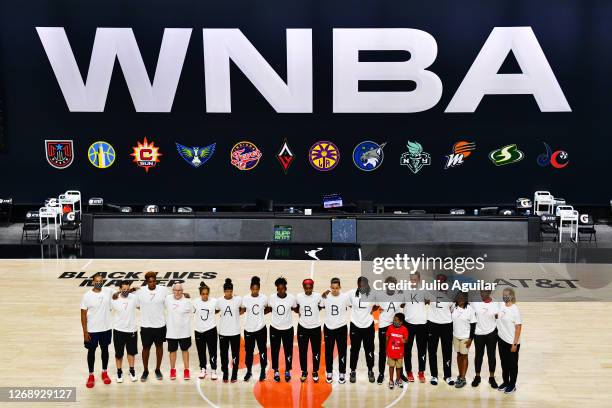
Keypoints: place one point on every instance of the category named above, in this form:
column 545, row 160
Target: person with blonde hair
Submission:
column 509, row 325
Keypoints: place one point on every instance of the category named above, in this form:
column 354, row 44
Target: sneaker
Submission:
column 234, row 377
column 421, row 377
column 353, row 377
column 391, row 385
column 247, row 376
column 105, row 378
column 329, row 378
column 213, row 375
column 262, row 375
column 434, row 381
column 476, row 381
column 91, row 381
column 276, row 376
column 371, row 376
column 380, row 378
column 287, row 376
column 119, row 377
column 400, row 384
column 449, row 381
column 315, row 377
column 510, row 389
column 173, row 373
column 186, row 374
column 202, row 373
column 225, row 377
column 303, row 376
column 403, row 378
column 144, row 376
column 460, row 383
column 133, row 375
column 492, row 382
column 158, row 374
column 410, row 376
column 342, row 378
column 502, row 387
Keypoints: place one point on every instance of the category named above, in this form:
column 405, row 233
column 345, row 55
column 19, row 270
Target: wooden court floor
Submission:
column 565, row 360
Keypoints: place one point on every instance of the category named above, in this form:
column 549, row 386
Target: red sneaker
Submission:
column 410, row 376
column 186, row 374
column 91, row 381
column 173, row 373
column 105, row 378
column 421, row 377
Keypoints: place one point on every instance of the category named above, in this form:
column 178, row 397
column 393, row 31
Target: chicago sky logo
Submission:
column 415, row 158
column 506, row 155
column 59, row 153
column 368, row 155
column 101, row 155
column 461, row 150
column 196, row 156
column 558, row 159
column 285, row 156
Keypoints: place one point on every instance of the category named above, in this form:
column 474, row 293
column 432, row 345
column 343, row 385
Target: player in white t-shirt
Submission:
column 361, row 328
column 309, row 329
column 206, row 330
column 388, row 309
column 335, row 330
column 125, row 333
column 464, row 326
column 151, row 300
column 415, row 312
column 229, row 329
column 485, row 336
column 255, row 331
column 509, row 326
column 96, row 324
column 179, row 313
column 440, row 330
column 281, row 304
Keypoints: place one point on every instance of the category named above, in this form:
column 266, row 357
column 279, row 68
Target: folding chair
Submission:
column 548, row 225
column 586, row 226
column 31, row 226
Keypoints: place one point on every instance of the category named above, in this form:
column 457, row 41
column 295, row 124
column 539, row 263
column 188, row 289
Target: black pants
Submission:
column 509, row 362
column 444, row 333
column 207, row 339
column 365, row 336
column 314, row 337
column 335, row 337
column 382, row 349
column 286, row 337
column 225, row 342
column 261, row 338
column 490, row 342
column 418, row 331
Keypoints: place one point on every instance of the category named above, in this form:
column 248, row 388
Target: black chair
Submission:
column 586, row 226
column 95, row 204
column 548, row 225
column 6, row 209
column 489, row 210
column 70, row 224
column 31, row 226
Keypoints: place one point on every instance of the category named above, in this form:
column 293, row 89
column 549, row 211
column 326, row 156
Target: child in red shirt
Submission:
column 397, row 335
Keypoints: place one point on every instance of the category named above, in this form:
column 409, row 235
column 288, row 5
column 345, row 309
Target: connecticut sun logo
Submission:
column 146, row 155
column 245, row 155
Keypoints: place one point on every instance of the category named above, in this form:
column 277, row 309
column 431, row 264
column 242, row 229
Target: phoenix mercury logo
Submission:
column 461, row 150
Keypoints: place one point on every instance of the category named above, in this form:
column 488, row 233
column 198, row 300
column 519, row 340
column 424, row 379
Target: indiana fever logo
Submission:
column 245, row 155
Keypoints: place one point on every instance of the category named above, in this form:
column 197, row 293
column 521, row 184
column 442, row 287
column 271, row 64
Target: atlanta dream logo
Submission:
column 59, row 153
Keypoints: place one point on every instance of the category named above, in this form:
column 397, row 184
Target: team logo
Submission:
column 558, row 159
column 146, row 155
column 368, row 155
column 196, row 156
column 101, row 155
column 461, row 150
column 245, row 155
column 285, row 156
column 415, row 158
column 506, row 155
column 324, row 155
column 60, row 153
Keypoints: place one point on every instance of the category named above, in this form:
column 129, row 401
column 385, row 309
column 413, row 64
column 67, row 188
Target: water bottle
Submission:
column 475, row 211
column 214, row 209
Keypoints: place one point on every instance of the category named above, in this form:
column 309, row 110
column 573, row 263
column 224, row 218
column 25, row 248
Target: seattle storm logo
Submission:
column 415, row 158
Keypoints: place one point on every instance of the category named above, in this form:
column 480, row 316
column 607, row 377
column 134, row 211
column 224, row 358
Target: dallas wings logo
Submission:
column 59, row 153
column 146, row 155
column 196, row 156
column 415, row 158
column 461, row 150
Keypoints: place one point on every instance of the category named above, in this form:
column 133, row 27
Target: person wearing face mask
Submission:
column 206, row 331
column 179, row 312
column 335, row 333
column 388, row 310
column 397, row 335
column 509, row 326
column 416, row 323
column 464, row 325
column 96, row 324
column 309, row 329
column 440, row 330
column 280, row 304
column 255, row 331
column 229, row 329
column 361, row 328
column 125, row 333
column 485, row 336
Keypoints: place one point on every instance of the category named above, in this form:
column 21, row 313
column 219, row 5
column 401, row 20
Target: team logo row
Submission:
column 323, row 155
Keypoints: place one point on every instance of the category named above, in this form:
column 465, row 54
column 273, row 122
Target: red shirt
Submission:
column 395, row 341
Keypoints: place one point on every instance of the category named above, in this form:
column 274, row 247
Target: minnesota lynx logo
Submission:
column 415, row 158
